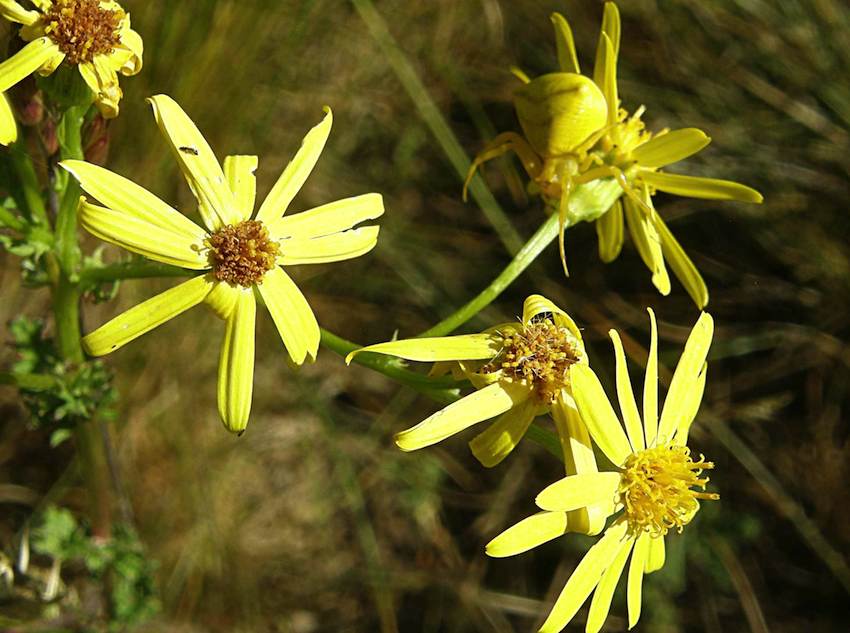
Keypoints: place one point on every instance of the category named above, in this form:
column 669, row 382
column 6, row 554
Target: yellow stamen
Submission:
column 242, row 253
column 540, row 354
column 656, row 488
column 82, row 29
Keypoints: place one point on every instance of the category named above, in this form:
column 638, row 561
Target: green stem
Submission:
column 66, row 308
column 67, row 246
column 544, row 236
column 130, row 270
column 443, row 389
column 587, row 203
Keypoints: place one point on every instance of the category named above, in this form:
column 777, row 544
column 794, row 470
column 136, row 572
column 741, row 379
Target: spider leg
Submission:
column 502, row 144
column 609, row 171
column 567, row 182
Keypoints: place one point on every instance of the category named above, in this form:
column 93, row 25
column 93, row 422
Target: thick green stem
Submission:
column 66, row 310
column 544, row 236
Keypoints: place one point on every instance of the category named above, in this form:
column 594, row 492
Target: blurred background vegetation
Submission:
column 313, row 521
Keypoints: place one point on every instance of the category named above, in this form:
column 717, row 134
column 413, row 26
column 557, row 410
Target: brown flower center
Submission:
column 82, row 28
column 656, row 488
column 242, row 253
column 540, row 354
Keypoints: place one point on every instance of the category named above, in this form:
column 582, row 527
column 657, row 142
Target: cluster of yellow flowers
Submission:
column 574, row 133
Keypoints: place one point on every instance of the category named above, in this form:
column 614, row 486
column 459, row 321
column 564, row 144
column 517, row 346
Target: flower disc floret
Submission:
column 657, row 488
column 83, row 29
column 540, row 354
column 241, row 254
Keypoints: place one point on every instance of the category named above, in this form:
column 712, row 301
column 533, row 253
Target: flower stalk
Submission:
column 66, row 311
column 585, row 201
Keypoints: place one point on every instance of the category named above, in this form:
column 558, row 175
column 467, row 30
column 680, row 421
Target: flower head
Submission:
column 520, row 370
column 616, row 147
column 656, row 485
column 238, row 253
column 93, row 35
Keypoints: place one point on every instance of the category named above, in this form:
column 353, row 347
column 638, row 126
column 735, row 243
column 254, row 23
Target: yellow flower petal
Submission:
column 131, row 41
column 567, row 58
column 578, row 491
column 669, row 148
column 146, row 316
column 578, row 459
column 648, row 245
column 609, row 231
column 635, row 578
column 121, row 194
column 656, row 555
column 598, row 415
column 198, row 163
column 601, row 603
column 328, row 248
column 528, row 534
column 102, row 79
column 297, row 171
column 144, row 238
column 440, row 348
column 239, row 172
column 535, row 305
column 236, row 363
column 690, row 407
column 607, row 77
column 611, row 25
column 684, row 269
column 585, row 578
column 26, row 61
column 501, row 437
column 328, row 218
column 694, row 187
column 650, row 385
column 14, row 12
column 51, row 64
column 626, row 397
column 677, row 404
column 222, row 299
column 8, row 127
column 478, row 406
column 292, row 315
column 605, row 66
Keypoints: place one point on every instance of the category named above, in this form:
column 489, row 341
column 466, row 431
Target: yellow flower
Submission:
column 238, row 256
column 651, row 492
column 614, row 145
column 94, row 35
column 520, row 370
